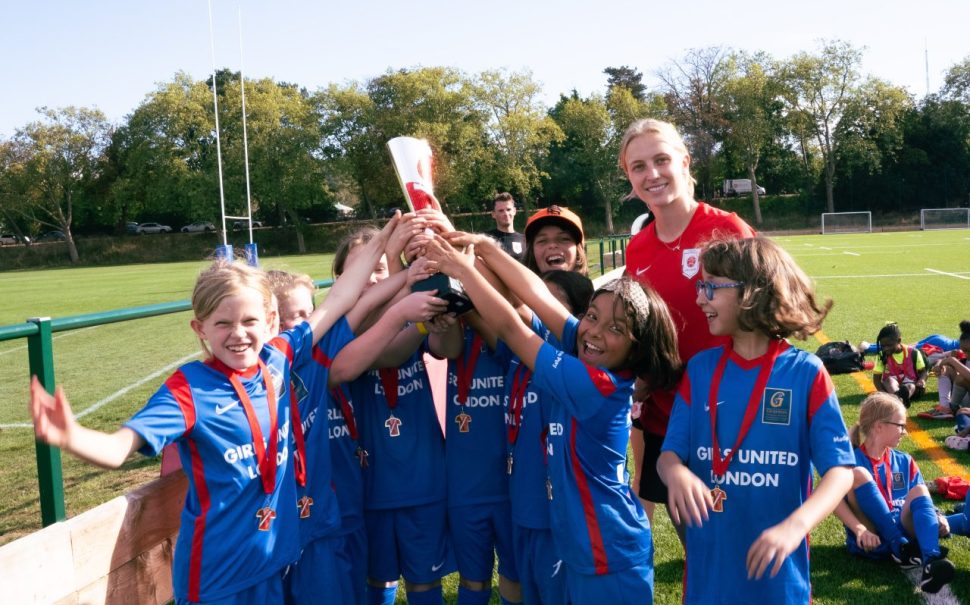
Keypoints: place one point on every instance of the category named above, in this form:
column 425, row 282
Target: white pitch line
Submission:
column 72, row 332
column 851, row 253
column 95, row 407
column 944, row 597
column 818, row 277
column 956, row 275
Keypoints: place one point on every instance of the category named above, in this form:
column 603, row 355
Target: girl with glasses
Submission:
column 889, row 512
column 750, row 420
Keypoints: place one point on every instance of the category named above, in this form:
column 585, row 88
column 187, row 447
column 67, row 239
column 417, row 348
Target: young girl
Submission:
column 889, row 504
column 605, row 544
column 554, row 240
column 750, row 420
column 900, row 369
column 230, row 416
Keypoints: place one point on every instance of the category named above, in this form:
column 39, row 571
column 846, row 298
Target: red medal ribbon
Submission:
column 887, row 492
column 465, row 369
column 517, row 400
column 346, row 410
column 266, row 458
column 389, row 382
column 720, row 465
column 299, row 462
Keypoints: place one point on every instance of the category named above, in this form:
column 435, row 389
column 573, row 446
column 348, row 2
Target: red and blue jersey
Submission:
column 895, row 474
column 525, row 440
column 406, row 450
column 797, row 424
column 233, row 534
column 588, row 430
column 476, row 455
column 317, row 500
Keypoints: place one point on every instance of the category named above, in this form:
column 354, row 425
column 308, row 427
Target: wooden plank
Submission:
column 38, row 568
column 145, row 580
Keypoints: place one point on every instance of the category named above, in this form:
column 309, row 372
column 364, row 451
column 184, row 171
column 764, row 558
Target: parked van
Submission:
column 733, row 187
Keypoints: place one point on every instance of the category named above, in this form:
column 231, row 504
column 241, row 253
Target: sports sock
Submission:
column 381, row 596
column 874, row 506
column 426, row 597
column 926, row 526
column 467, row 596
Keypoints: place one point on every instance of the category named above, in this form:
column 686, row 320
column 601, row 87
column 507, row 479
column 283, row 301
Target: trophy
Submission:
column 412, row 163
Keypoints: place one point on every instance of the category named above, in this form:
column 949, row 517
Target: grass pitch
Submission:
column 921, row 280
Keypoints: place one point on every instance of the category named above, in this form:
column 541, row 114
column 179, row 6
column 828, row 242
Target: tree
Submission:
column 694, row 91
column 820, row 86
column 58, row 158
column 628, row 78
column 752, row 115
column 518, row 128
column 956, row 82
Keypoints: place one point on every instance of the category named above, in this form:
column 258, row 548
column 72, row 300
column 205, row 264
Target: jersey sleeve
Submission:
column 296, row 343
column 336, row 338
column 828, row 436
column 918, row 362
column 677, row 439
column 168, row 415
column 582, row 388
column 915, row 476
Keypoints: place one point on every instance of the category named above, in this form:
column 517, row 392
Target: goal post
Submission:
column 846, row 222
column 944, row 218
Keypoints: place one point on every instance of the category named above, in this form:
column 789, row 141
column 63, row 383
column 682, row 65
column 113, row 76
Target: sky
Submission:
column 110, row 54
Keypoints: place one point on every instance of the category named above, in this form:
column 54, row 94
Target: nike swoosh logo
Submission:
column 438, row 566
column 643, row 270
column 222, row 409
column 707, row 408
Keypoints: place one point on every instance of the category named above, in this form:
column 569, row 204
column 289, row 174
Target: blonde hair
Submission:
column 665, row 130
column 777, row 298
column 877, row 407
column 223, row 279
column 284, row 282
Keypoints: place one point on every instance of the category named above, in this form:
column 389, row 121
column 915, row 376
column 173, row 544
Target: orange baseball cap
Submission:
column 555, row 215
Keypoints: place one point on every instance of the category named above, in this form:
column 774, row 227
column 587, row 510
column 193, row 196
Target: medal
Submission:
column 719, row 496
column 508, row 468
column 362, row 455
column 516, row 403
column 389, row 382
column 265, row 516
column 304, row 504
column 463, row 420
column 393, row 425
column 719, row 465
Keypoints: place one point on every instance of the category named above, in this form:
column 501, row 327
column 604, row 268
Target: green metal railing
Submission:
column 40, row 351
column 613, row 246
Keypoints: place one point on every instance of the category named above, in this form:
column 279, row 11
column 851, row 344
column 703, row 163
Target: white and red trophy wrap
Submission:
column 412, row 159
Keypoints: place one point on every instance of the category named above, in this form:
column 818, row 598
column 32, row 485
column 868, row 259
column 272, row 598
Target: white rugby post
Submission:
column 225, row 251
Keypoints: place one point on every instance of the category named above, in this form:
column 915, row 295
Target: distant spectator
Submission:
column 503, row 211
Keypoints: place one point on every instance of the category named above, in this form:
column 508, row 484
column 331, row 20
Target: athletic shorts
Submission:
column 269, row 590
column 883, row 551
column 409, row 542
column 352, row 561
column 476, row 531
column 651, row 488
column 633, row 586
column 542, row 573
column 318, row 573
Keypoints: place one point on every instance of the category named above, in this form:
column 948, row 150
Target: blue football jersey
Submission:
column 797, row 424
column 233, row 534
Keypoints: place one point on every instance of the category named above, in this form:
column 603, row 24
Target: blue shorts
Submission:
column 352, row 561
column 542, row 573
column 633, row 586
column 476, row 531
column 409, row 542
column 318, row 573
column 883, row 551
column 269, row 590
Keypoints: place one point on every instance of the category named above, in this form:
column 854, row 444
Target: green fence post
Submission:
column 623, row 250
column 40, row 351
column 602, row 259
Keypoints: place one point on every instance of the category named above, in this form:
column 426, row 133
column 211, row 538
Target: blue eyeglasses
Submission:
column 708, row 287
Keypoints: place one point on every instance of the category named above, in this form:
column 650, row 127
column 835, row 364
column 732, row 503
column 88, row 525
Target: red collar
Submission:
column 215, row 364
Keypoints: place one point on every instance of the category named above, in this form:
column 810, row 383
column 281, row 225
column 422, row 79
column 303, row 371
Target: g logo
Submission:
column 777, row 399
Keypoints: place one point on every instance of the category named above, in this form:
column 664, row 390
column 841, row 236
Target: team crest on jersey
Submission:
column 898, row 481
column 304, row 504
column 690, row 262
column 776, row 407
column 299, row 387
column 517, row 247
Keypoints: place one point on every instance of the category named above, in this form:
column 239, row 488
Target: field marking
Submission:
column 22, row 347
column 876, row 276
column 939, row 456
column 851, row 253
column 100, row 404
column 956, row 275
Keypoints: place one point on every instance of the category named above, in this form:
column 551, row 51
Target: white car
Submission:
column 152, row 228
column 7, row 239
column 201, row 227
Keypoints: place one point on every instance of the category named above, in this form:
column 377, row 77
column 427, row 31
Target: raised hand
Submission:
column 53, row 418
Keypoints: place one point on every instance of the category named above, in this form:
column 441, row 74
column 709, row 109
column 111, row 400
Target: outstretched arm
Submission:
column 346, row 290
column 55, row 424
column 777, row 542
column 493, row 308
column 523, row 283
